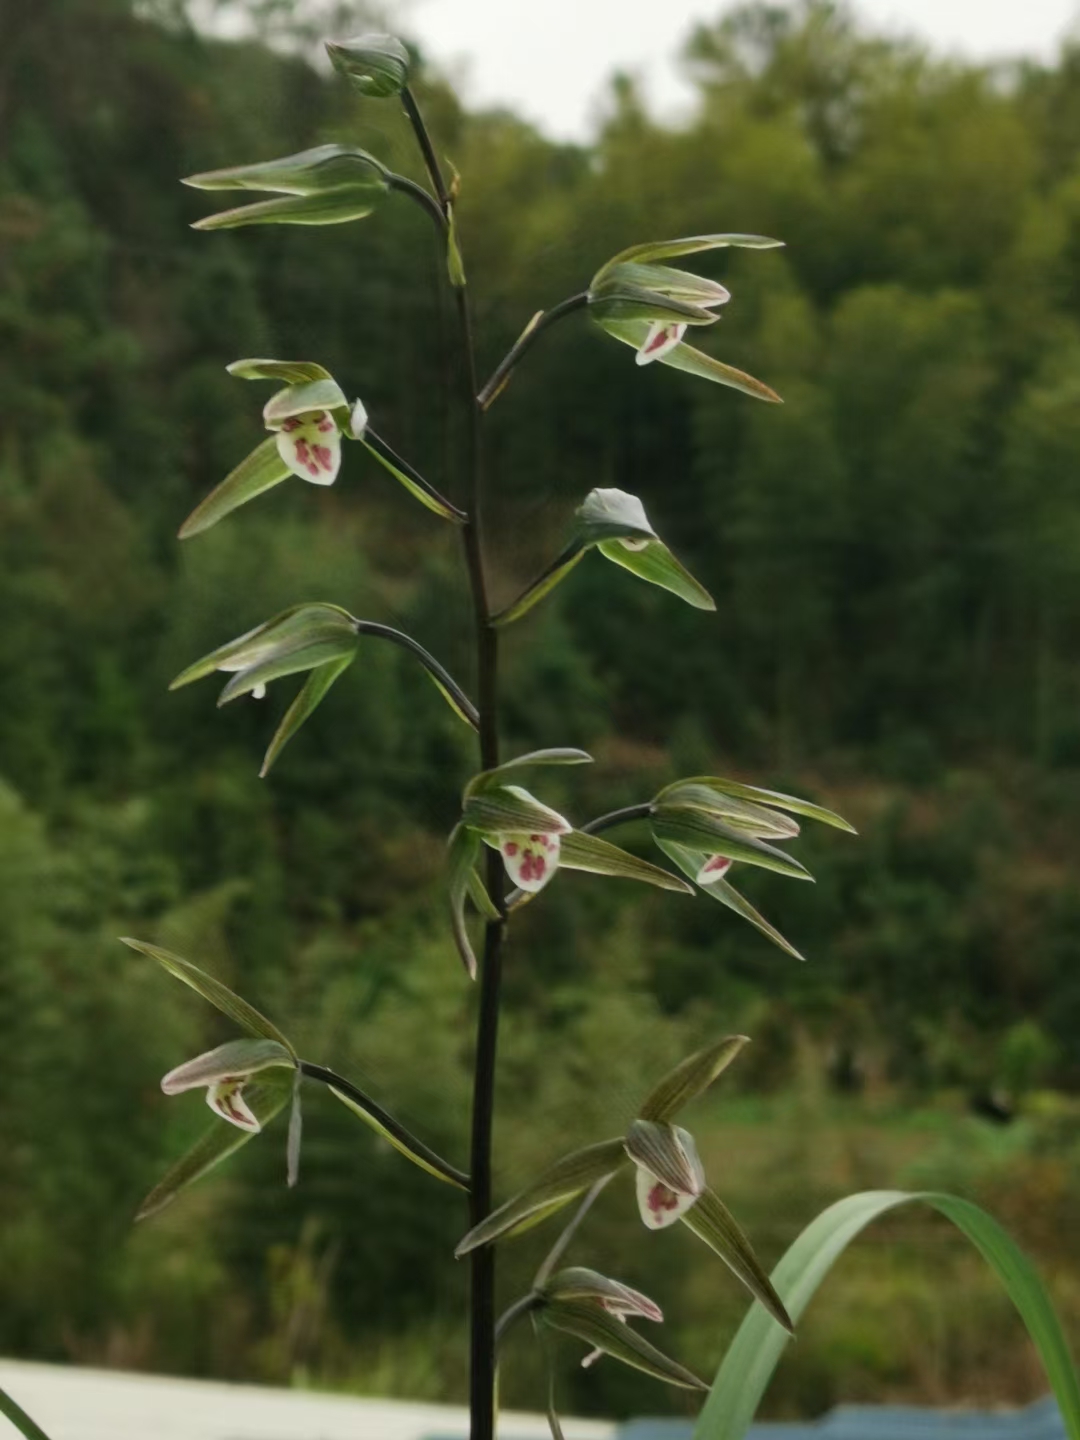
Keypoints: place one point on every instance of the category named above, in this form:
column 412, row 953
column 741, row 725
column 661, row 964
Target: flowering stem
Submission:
column 394, row 1129
column 482, row 1260
column 501, row 376
column 618, row 817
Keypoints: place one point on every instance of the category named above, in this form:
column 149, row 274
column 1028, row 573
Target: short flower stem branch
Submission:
column 416, row 192
column 559, row 1249
column 482, row 1260
column 380, row 447
column 440, row 673
column 514, row 1312
column 393, row 1127
column 618, row 817
column 501, row 376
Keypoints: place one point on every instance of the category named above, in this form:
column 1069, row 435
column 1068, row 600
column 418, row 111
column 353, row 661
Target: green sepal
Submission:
column 656, row 564
column 555, row 755
column 622, row 302
column 399, row 1139
column 689, row 862
column 589, row 1321
column 607, row 513
column 690, row 1078
column 543, row 584
column 664, row 280
column 265, row 1098
column 698, row 830
column 378, row 65
column 653, row 250
column 463, row 851
column 555, row 1188
column 667, row 1151
column 756, row 820
column 693, row 362
column 335, row 207
column 236, row 1058
column 581, row 851
column 430, row 498
column 298, row 639
column 711, row 1221
column 308, row 700
column 510, row 810
column 288, row 372
column 756, row 795
column 577, row 1282
column 260, row 471
column 303, row 399
column 479, row 896
column 219, row 995
column 324, row 168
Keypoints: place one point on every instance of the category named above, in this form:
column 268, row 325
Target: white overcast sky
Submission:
column 550, row 59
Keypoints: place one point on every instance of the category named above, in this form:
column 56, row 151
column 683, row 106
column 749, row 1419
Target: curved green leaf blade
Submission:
column 305, row 704
column 265, row 1098
column 260, row 471
column 543, row 584
column 711, row 1221
column 700, row 831
column 582, row 851
column 19, row 1418
column 759, row 1343
column 656, row 564
column 693, row 362
column 589, row 1321
column 219, row 995
column 555, row 1188
column 335, row 207
column 400, row 1139
column 690, row 1078
column 414, row 483
column 689, row 862
column 755, row 794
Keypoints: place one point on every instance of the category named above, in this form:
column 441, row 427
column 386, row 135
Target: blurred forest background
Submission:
column 896, row 559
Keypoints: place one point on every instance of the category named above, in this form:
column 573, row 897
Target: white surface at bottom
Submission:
column 71, row 1403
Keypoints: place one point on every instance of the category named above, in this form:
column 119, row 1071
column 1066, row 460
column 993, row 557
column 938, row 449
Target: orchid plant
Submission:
column 508, row 844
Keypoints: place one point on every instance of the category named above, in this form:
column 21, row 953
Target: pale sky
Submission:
column 550, row 60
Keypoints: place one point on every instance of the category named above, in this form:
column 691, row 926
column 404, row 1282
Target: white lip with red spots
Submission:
column 226, row 1099
column 310, row 445
column 661, row 338
column 714, row 868
column 530, row 860
column 660, row 1206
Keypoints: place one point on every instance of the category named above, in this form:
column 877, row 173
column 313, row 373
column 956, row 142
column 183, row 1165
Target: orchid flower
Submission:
column 650, row 306
column 224, row 1072
column 670, row 1178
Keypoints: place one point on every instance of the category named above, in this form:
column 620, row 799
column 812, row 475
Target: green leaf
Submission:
column 698, row 830
column 309, row 172
column 581, row 851
column 219, row 995
column 711, row 1221
column 378, row 65
column 289, row 372
column 555, row 1188
column 778, row 801
column 19, row 1418
column 557, row 755
column 654, row 250
column 302, row 399
column 417, row 487
column 694, row 362
column 510, row 810
column 333, row 208
column 543, row 584
column 756, row 1350
column 588, row 1320
column 260, row 471
column 400, row 1139
column 690, row 1078
column 756, row 820
column 308, row 700
column 656, row 564
column 265, row 1098
column 689, row 862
